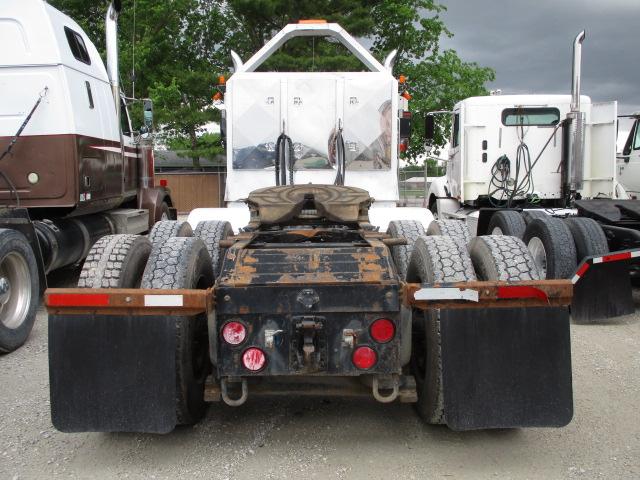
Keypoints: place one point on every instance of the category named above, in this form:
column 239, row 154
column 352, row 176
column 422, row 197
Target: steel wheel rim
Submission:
column 539, row 254
column 496, row 231
column 16, row 299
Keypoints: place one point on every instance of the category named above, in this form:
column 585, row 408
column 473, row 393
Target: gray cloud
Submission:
column 528, row 44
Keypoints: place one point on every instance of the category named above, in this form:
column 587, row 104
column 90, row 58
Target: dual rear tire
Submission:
column 445, row 259
column 170, row 258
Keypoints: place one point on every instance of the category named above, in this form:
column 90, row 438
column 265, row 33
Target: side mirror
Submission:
column 148, row 113
column 430, row 128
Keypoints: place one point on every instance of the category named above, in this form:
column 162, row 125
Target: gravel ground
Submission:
column 298, row 438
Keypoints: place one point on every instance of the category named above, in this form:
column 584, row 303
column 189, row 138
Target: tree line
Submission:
column 179, row 48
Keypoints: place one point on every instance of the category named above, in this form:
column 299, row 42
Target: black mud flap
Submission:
column 506, row 367
column 602, row 287
column 112, row 373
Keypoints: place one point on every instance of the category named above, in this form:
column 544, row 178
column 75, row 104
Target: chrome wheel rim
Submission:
column 496, row 231
column 164, row 216
column 15, row 290
column 539, row 255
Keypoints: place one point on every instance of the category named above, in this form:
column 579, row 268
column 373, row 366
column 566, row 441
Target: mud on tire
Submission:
column 168, row 229
column 552, row 247
column 451, row 228
column 176, row 263
column 211, row 232
column 502, row 258
column 115, row 261
column 435, row 259
column 401, row 254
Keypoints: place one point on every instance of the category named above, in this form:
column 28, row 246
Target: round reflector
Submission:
column 382, row 330
column 364, row 358
column 234, row 333
column 253, row 359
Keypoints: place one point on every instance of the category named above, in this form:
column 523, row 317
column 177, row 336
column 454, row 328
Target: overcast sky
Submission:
column 528, row 44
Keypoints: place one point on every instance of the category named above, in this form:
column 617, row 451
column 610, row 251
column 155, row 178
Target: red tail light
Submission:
column 234, row 333
column 382, row 330
column 364, row 358
column 254, row 359
column 163, row 182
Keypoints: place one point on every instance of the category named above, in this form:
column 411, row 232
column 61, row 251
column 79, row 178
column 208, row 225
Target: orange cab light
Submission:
column 402, row 79
column 407, row 95
column 221, row 80
column 217, row 96
column 312, row 20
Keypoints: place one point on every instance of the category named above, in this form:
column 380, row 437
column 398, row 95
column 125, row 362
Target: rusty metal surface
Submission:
column 335, row 203
column 542, row 293
column 125, row 301
column 313, row 265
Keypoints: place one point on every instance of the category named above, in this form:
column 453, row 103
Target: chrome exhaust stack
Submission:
column 574, row 132
column 113, row 70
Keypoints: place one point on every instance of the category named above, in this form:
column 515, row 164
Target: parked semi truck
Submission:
column 543, row 168
column 315, row 284
column 72, row 169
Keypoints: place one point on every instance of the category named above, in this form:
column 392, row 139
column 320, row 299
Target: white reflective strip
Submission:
column 132, row 155
column 107, row 149
column 598, row 260
column 575, row 279
column 446, row 294
column 635, row 253
column 163, row 301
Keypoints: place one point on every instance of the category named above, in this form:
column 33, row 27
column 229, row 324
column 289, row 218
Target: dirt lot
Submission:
column 302, row 438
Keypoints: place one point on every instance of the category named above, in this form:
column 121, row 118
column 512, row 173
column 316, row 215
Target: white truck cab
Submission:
column 519, row 136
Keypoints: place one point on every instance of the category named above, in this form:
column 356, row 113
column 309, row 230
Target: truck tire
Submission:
column 502, row 258
column 115, row 261
column 450, row 228
column 507, row 222
column 211, row 232
column 588, row 237
column 435, row 259
column 401, row 254
column 168, row 229
column 177, row 263
column 529, row 215
column 19, row 289
column 551, row 245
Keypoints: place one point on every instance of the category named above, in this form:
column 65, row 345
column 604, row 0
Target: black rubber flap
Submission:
column 506, row 368
column 112, row 373
column 604, row 291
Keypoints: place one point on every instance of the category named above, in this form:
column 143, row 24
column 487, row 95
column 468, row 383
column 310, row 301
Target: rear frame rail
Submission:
column 479, row 294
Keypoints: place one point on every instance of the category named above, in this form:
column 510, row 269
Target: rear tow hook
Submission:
column 394, row 387
column 225, row 393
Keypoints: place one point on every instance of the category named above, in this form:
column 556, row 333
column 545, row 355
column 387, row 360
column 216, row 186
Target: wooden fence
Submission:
column 195, row 190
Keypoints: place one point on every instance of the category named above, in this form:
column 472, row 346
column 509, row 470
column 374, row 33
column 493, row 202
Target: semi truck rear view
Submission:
column 72, row 169
column 312, row 281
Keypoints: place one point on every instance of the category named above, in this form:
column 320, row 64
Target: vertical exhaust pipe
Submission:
column 577, row 71
column 574, row 129
column 113, row 70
